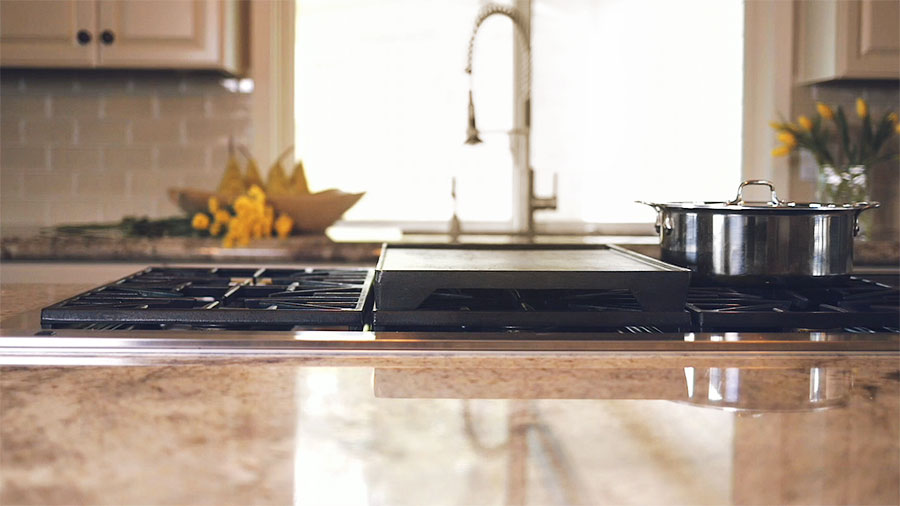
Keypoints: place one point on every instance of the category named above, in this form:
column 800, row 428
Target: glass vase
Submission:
column 846, row 185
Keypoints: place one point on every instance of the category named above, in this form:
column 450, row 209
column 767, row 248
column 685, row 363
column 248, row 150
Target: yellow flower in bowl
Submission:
column 283, row 226
column 200, row 221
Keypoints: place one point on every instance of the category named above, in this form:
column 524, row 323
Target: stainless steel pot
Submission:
column 763, row 389
column 752, row 240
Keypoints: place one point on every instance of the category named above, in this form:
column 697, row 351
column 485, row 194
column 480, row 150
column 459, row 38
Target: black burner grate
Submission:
column 219, row 298
column 858, row 305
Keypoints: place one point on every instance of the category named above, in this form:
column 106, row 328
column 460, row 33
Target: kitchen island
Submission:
column 446, row 428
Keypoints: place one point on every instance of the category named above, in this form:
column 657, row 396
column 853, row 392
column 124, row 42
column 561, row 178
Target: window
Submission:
column 631, row 100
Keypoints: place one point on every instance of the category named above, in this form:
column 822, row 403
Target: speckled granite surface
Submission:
column 31, row 246
column 315, row 248
column 18, row 297
column 580, row 429
column 281, row 431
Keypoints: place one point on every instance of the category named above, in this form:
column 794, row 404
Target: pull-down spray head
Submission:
column 472, row 131
column 472, row 136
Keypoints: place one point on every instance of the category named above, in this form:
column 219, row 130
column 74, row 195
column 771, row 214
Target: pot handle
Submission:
column 739, row 199
column 663, row 220
column 859, row 207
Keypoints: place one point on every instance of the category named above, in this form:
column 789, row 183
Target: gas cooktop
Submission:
column 263, row 299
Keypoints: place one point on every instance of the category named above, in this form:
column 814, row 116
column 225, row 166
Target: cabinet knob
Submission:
column 107, row 37
column 83, row 37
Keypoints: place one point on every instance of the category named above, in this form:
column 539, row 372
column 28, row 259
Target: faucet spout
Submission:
column 472, row 135
column 523, row 179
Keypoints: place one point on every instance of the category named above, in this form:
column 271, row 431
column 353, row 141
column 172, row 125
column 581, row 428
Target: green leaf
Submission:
column 865, row 136
column 841, row 121
column 882, row 133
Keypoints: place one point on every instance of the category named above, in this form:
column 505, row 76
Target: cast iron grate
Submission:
column 858, row 305
column 221, row 298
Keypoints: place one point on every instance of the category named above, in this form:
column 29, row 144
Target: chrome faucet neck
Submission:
column 524, row 32
column 530, row 203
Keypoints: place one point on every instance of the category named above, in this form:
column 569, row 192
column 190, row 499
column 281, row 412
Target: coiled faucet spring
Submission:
column 525, row 80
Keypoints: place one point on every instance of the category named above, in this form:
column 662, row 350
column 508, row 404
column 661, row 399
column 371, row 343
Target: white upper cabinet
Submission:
column 57, row 33
column 848, row 39
column 159, row 34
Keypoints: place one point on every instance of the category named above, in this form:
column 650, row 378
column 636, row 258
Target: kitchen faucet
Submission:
column 530, row 203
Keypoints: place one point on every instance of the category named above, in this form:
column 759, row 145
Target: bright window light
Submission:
column 631, row 101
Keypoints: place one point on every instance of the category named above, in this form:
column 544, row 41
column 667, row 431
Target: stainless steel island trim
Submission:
column 65, row 341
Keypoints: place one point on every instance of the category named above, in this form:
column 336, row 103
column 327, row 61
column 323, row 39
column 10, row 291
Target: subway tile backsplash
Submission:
column 89, row 146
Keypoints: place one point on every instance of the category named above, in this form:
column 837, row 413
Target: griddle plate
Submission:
column 408, row 274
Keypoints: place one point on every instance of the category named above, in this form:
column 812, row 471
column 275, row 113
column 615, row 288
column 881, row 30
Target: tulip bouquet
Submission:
column 843, row 153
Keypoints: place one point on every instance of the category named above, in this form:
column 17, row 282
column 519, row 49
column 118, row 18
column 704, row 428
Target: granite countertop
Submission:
column 312, row 248
column 477, row 429
column 345, row 245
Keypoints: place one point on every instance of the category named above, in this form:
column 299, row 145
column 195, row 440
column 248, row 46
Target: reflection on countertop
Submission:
column 583, row 430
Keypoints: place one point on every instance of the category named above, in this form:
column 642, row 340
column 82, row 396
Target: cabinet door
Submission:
column 848, row 39
column 45, row 33
column 160, row 33
column 873, row 39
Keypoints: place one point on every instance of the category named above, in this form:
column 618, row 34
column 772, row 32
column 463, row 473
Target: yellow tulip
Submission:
column 283, row 226
column 200, row 221
column 213, row 205
column 215, row 229
column 776, row 125
column 897, row 128
column 781, row 151
column 824, row 110
column 892, row 117
column 805, row 122
column 228, row 241
column 788, row 139
column 862, row 109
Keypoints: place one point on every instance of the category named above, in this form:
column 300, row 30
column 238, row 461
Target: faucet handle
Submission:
column 547, row 202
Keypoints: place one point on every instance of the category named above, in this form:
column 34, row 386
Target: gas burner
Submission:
column 217, row 299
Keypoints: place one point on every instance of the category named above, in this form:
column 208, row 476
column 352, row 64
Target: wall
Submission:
column 89, row 146
column 885, row 184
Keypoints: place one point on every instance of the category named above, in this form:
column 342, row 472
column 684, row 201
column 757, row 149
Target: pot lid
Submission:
column 773, row 204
